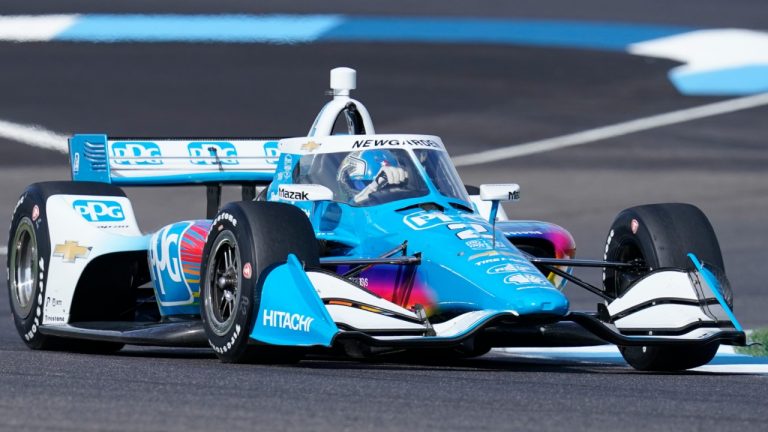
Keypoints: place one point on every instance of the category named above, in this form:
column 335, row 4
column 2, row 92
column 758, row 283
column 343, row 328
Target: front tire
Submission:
column 246, row 240
column 661, row 235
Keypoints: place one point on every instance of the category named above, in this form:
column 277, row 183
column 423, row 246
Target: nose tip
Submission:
column 535, row 301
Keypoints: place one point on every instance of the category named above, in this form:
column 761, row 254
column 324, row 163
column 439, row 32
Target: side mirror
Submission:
column 304, row 192
column 500, row 192
column 495, row 193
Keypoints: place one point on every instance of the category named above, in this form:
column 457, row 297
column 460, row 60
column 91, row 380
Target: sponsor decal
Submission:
column 605, row 254
column 310, row 146
column 71, row 250
column 361, row 281
column 505, row 268
column 507, row 258
column 479, row 244
column 513, row 195
column 425, row 220
column 286, row 320
column 136, row 153
column 293, row 195
column 271, row 152
column 371, row 143
column 212, row 153
column 226, row 347
column 247, row 270
column 76, row 163
column 225, row 216
column 469, row 231
column 634, row 225
column 99, row 210
column 175, row 255
column 164, row 256
column 490, row 254
column 39, row 315
column 524, row 279
column 522, row 233
column 35, row 213
column 18, row 203
column 51, row 301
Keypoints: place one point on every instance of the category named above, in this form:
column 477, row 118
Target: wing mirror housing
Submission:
column 500, row 192
column 315, row 196
column 496, row 193
column 304, row 192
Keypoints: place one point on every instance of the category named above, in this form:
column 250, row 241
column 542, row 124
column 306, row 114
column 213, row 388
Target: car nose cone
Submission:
column 539, row 300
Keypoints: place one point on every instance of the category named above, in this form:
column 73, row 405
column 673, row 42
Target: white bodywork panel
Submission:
column 665, row 316
column 158, row 158
column 89, row 238
column 456, row 326
column 667, row 284
column 500, row 192
column 669, row 316
column 332, row 287
column 365, row 320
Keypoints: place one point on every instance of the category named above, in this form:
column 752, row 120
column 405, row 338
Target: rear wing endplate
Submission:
column 172, row 161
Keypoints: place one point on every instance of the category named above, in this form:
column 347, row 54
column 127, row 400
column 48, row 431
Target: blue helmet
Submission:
column 359, row 168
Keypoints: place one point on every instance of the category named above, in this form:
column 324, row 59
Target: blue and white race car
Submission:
column 349, row 241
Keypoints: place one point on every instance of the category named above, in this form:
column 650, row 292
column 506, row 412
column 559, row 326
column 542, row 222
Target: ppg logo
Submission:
column 212, row 153
column 271, row 152
column 136, row 153
column 99, row 211
column 425, row 220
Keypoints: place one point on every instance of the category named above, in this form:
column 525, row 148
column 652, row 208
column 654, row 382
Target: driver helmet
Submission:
column 359, row 169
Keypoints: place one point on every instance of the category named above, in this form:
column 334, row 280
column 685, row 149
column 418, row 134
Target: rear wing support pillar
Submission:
column 213, row 200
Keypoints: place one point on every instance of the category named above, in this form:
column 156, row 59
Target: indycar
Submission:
column 347, row 242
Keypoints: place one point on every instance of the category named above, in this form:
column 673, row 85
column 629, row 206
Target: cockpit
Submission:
column 374, row 176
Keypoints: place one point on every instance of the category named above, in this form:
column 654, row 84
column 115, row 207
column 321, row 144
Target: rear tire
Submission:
column 661, row 235
column 29, row 252
column 246, row 240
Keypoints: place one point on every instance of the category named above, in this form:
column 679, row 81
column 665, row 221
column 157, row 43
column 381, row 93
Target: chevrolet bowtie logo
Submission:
column 310, row 146
column 71, row 251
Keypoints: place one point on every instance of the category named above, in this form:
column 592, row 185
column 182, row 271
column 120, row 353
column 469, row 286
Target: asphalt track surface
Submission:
column 476, row 98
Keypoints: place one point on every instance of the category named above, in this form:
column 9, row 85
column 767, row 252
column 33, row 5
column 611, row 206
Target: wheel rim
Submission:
column 222, row 283
column 23, row 273
column 627, row 251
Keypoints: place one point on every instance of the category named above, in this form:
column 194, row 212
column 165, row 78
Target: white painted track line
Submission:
column 614, row 130
column 31, row 28
column 3, row 251
column 40, row 137
column 35, row 136
column 727, row 360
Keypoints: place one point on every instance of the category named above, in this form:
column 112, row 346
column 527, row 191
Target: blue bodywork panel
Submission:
column 464, row 266
column 711, row 280
column 175, row 255
column 290, row 311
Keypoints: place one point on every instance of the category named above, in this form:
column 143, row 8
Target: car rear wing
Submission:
column 172, row 161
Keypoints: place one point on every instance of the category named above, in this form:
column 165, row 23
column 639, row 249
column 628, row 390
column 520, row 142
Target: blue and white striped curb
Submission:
column 726, row 360
column 716, row 62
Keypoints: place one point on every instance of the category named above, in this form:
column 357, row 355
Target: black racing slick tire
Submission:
column 29, row 255
column 246, row 240
column 662, row 235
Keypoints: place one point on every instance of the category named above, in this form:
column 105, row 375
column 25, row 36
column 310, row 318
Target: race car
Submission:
column 346, row 242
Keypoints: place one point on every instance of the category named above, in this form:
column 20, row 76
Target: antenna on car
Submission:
column 343, row 80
